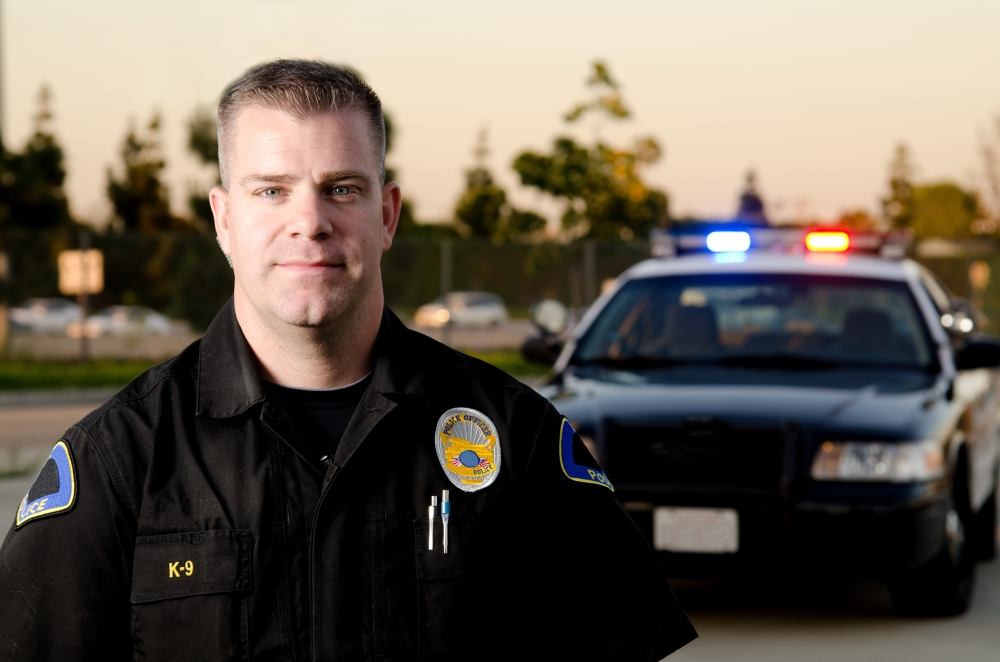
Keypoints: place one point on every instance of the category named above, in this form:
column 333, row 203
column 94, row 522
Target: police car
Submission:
column 772, row 396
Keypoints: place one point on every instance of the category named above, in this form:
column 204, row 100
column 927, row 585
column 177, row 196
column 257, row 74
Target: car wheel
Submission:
column 942, row 586
column 985, row 529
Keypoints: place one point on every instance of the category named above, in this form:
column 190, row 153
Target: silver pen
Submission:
column 430, row 522
column 445, row 513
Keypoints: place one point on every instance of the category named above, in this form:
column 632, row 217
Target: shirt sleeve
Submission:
column 604, row 592
column 64, row 567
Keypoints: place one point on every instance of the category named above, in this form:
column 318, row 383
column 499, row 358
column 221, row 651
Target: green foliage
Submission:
column 483, row 203
column 31, row 181
column 138, row 195
column 897, row 206
column 203, row 141
column 944, row 210
column 858, row 219
column 483, row 210
column 600, row 185
column 512, row 363
column 603, row 193
column 607, row 97
column 17, row 374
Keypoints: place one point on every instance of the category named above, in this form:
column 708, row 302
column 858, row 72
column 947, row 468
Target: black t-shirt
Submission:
column 318, row 418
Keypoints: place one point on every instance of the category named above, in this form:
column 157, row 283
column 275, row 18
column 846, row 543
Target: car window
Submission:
column 719, row 317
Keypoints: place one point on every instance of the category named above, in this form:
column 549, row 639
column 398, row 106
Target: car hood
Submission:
column 859, row 401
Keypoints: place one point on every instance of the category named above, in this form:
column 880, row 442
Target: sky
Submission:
column 814, row 95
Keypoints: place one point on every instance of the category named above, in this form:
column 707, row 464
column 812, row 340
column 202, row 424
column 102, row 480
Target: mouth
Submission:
column 310, row 265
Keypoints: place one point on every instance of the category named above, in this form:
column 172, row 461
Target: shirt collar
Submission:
column 229, row 380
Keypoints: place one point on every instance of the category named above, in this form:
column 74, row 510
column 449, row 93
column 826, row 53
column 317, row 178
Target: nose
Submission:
column 309, row 217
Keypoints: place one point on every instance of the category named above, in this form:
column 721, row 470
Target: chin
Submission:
column 312, row 314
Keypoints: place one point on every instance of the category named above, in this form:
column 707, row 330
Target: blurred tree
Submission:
column 607, row 99
column 897, row 206
column 139, row 196
column 407, row 219
column 204, row 144
column 202, row 138
column 32, row 196
column 990, row 152
column 858, row 219
column 603, row 193
column 944, row 210
column 483, row 210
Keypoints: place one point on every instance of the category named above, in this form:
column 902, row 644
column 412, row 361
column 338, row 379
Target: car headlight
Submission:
column 879, row 461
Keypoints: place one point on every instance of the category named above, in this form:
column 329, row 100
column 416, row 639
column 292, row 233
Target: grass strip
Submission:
column 19, row 374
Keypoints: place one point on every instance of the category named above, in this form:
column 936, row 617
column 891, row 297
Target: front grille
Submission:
column 695, row 457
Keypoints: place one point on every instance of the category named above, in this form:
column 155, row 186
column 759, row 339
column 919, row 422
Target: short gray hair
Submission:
column 301, row 88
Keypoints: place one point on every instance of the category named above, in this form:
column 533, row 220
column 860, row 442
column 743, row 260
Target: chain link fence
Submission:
column 185, row 276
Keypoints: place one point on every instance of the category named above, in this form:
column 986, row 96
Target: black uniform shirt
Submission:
column 185, row 526
column 317, row 418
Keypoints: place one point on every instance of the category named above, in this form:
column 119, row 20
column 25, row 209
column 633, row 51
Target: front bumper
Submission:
column 874, row 540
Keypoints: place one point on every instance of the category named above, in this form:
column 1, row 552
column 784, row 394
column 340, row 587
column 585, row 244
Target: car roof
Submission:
column 846, row 266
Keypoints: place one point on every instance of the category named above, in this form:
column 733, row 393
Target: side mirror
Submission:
column 980, row 352
column 550, row 316
column 542, row 349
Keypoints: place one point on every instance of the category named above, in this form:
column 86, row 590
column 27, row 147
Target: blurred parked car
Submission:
column 121, row 321
column 44, row 315
column 775, row 396
column 467, row 309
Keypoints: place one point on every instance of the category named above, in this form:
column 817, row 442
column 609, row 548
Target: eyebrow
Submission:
column 267, row 179
column 326, row 178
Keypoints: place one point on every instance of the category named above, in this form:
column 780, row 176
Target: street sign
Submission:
column 81, row 272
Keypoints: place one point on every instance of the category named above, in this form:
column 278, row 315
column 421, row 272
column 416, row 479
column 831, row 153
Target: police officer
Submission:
column 311, row 480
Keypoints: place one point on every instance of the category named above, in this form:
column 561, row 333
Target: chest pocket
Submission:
column 451, row 600
column 189, row 595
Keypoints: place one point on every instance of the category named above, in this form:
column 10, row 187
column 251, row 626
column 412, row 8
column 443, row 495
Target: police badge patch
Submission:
column 468, row 448
column 574, row 471
column 54, row 489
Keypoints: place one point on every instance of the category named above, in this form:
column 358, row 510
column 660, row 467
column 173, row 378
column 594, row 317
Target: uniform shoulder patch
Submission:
column 54, row 489
column 468, row 448
column 570, row 467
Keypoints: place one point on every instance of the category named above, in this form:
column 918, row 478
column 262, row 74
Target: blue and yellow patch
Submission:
column 574, row 471
column 54, row 489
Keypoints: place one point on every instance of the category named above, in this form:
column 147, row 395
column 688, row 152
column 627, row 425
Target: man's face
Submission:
column 306, row 218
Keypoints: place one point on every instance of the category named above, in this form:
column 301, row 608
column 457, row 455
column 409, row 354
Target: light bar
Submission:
column 828, row 241
column 728, row 241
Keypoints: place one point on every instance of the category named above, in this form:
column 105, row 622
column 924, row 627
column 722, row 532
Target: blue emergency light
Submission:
column 728, row 241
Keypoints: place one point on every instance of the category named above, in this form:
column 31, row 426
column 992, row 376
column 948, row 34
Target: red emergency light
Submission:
column 828, row 241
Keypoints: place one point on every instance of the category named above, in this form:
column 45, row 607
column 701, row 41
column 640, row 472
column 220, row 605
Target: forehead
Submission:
column 266, row 138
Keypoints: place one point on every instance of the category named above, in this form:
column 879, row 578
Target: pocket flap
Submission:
column 192, row 563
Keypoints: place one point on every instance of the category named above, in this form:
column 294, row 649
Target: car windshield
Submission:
column 758, row 320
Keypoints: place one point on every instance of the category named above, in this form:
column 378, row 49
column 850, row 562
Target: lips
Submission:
column 310, row 264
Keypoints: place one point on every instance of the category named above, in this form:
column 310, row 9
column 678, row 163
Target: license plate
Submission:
column 698, row 530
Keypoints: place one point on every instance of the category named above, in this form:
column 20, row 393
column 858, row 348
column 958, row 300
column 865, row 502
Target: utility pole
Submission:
column 1, row 80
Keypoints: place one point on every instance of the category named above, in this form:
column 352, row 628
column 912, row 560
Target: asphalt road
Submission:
column 768, row 620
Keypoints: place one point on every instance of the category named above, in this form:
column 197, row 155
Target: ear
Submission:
column 391, row 201
column 218, row 198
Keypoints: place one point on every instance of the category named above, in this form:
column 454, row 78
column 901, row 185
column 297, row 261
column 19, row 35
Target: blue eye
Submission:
column 341, row 190
column 271, row 192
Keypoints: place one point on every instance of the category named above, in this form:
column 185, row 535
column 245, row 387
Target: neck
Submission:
column 329, row 356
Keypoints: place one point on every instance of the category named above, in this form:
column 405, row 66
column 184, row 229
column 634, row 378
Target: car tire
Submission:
column 985, row 529
column 943, row 586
